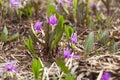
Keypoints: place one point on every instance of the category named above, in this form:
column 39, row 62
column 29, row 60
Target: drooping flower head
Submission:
column 15, row 3
column 73, row 38
column 52, row 20
column 10, row 66
column 106, row 76
column 67, row 54
column 38, row 26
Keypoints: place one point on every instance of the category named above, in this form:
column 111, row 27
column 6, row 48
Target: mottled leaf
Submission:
column 89, row 42
column 113, row 46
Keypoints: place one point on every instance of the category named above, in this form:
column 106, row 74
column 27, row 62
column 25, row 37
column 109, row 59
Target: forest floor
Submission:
column 86, row 68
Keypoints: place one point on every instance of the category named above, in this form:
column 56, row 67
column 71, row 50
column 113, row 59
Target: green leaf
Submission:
column 29, row 45
column 89, row 42
column 0, row 3
column 36, row 66
column 70, row 77
column 66, row 10
column 98, row 16
column 51, row 9
column 86, row 18
column 75, row 9
column 96, row 53
column 104, row 37
column 113, row 46
column 68, row 30
column 75, row 5
column 88, row 7
column 4, row 34
column 58, row 33
column 98, row 37
column 36, row 6
column 108, row 21
column 13, row 37
column 27, row 12
column 62, row 66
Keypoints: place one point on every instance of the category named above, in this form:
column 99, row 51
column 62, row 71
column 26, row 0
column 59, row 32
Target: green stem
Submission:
column 47, row 37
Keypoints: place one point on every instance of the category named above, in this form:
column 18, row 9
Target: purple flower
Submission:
column 61, row 2
column 73, row 38
column 38, row 26
column 70, row 3
column 67, row 54
column 10, row 66
column 15, row 3
column 52, row 20
column 106, row 76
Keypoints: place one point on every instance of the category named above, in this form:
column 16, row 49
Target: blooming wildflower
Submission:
column 73, row 38
column 67, row 54
column 106, row 76
column 70, row 3
column 38, row 26
column 10, row 67
column 15, row 3
column 52, row 20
